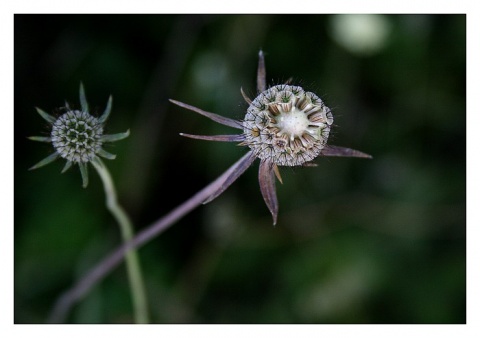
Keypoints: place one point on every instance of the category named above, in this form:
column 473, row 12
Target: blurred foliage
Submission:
column 358, row 241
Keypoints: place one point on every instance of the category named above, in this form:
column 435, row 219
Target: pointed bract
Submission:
column 245, row 97
column 106, row 113
column 217, row 118
column 266, row 179
column 343, row 152
column 277, row 173
column 84, row 172
column 220, row 138
column 106, row 154
column 67, row 166
column 115, row 137
column 50, row 158
column 261, row 73
column 47, row 117
column 40, row 138
column 83, row 99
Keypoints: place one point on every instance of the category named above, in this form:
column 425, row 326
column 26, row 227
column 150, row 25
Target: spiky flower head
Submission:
column 78, row 136
column 287, row 126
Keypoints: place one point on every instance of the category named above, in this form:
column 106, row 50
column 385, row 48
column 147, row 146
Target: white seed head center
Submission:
column 293, row 123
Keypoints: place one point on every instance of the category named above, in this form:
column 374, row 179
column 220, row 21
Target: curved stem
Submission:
column 98, row 272
column 131, row 258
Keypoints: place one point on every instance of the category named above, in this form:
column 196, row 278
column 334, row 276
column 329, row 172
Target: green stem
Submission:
column 133, row 266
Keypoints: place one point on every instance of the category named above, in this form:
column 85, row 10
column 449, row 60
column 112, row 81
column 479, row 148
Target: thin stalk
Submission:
column 134, row 271
column 65, row 302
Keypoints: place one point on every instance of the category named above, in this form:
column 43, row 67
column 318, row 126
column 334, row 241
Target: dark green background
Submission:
column 358, row 241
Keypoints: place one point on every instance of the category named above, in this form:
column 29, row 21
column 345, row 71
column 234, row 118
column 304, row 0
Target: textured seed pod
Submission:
column 287, row 125
column 76, row 136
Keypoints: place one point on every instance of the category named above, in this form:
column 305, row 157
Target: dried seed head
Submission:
column 287, row 125
column 76, row 136
column 284, row 126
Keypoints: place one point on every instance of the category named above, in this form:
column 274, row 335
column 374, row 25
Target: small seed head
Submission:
column 76, row 136
column 287, row 125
